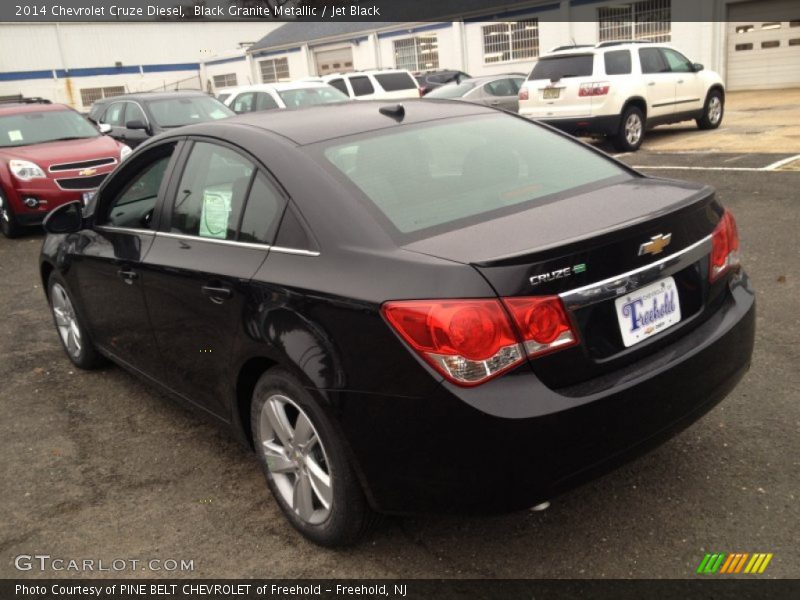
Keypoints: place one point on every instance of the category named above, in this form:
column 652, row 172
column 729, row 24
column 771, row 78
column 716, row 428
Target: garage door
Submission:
column 334, row 61
column 763, row 50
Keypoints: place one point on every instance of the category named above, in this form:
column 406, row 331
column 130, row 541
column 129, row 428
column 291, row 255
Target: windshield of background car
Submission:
column 45, row 126
column 176, row 112
column 443, row 174
column 311, row 96
column 561, row 67
column 452, row 90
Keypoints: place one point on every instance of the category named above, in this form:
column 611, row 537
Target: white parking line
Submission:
column 780, row 163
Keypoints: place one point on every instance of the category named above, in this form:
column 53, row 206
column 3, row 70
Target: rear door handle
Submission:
column 128, row 275
column 680, row 80
column 217, row 294
column 495, row 103
column 651, row 83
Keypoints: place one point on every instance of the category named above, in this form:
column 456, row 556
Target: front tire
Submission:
column 8, row 224
column 630, row 134
column 713, row 110
column 305, row 463
column 71, row 331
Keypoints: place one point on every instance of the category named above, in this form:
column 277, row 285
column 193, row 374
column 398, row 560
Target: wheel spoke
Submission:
column 277, row 461
column 276, row 414
column 76, row 335
column 61, row 318
column 320, row 482
column 302, row 502
column 303, row 431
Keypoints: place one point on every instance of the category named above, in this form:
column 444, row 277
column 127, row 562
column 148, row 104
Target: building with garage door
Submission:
column 753, row 44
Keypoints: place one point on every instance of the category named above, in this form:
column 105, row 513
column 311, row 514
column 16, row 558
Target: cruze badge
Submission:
column 656, row 244
column 557, row 274
column 87, row 172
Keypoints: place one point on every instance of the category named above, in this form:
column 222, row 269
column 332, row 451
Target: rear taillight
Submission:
column 471, row 341
column 542, row 322
column 422, row 91
column 593, row 89
column 523, row 93
column 724, row 247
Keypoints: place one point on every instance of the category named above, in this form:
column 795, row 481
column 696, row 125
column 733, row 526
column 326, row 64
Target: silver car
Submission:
column 497, row 90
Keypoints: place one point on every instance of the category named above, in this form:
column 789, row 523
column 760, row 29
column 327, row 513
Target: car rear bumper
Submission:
column 512, row 443
column 603, row 125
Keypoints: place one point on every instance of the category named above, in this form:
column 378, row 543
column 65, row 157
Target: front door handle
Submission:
column 217, row 294
column 495, row 103
column 651, row 83
column 680, row 80
column 128, row 275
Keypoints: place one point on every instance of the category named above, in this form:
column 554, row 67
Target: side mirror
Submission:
column 136, row 124
column 67, row 218
column 697, row 67
column 104, row 128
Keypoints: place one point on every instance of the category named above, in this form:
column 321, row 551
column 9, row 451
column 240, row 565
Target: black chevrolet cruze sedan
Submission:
column 419, row 308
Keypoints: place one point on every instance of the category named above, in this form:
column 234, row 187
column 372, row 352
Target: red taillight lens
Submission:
column 468, row 341
column 593, row 89
column 523, row 93
column 422, row 91
column 542, row 322
column 724, row 247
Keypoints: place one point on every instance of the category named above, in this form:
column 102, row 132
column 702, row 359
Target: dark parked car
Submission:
column 407, row 308
column 430, row 80
column 498, row 90
column 133, row 118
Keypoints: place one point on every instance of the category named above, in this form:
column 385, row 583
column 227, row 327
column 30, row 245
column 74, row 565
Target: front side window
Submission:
column 312, row 96
column 451, row 174
column 361, row 85
column 243, row 103
column 176, row 112
column 340, row 85
column 134, row 112
column 133, row 199
column 115, row 115
column 505, row 42
column 211, row 192
column 27, row 128
column 676, row 61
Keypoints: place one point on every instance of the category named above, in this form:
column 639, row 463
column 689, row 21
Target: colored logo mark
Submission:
column 737, row 562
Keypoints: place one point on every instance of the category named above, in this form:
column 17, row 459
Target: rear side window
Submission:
column 361, row 85
column 243, row 103
column 561, row 67
column 448, row 175
column 652, row 61
column 618, row 62
column 265, row 102
column 262, row 213
column 211, row 192
column 115, row 115
column 393, row 82
column 340, row 85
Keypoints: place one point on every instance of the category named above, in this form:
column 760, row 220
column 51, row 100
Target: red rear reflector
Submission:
column 523, row 93
column 543, row 323
column 467, row 341
column 724, row 247
column 593, row 89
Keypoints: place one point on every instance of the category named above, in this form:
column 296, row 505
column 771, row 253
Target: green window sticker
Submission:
column 216, row 214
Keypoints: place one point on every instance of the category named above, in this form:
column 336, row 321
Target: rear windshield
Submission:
column 439, row 175
column 452, row 90
column 311, row 96
column 392, row 82
column 561, row 67
column 175, row 112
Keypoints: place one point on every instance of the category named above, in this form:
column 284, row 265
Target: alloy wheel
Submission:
column 296, row 459
column 66, row 321
column 714, row 110
column 633, row 129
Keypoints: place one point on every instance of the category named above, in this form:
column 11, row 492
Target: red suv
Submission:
column 49, row 155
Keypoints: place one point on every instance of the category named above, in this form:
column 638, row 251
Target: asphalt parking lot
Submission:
column 97, row 465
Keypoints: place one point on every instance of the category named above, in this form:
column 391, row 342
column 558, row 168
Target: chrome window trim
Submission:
column 613, row 287
column 256, row 246
column 115, row 229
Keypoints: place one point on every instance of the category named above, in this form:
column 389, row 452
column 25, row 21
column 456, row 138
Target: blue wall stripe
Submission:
column 175, row 67
column 388, row 34
column 94, row 71
column 223, row 61
column 581, row 2
column 20, row 75
column 275, row 52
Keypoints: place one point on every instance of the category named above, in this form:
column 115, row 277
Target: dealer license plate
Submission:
column 648, row 311
column 551, row 93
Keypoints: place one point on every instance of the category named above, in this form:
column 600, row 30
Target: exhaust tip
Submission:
column 540, row 507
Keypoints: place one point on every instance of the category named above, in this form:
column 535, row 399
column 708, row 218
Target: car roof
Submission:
column 314, row 124
column 603, row 47
column 153, row 96
column 14, row 108
column 279, row 87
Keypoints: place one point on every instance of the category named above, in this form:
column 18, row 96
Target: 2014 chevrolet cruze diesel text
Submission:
column 429, row 307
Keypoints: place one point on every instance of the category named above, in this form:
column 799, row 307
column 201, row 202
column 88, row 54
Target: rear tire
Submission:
column 630, row 134
column 305, row 462
column 71, row 331
column 8, row 224
column 713, row 111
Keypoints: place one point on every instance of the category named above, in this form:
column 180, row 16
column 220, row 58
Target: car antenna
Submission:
column 396, row 111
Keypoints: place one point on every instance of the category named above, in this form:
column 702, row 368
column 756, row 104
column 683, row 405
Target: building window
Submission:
column 504, row 42
column 91, row 95
column 417, row 53
column 226, row 80
column 647, row 20
column 273, row 70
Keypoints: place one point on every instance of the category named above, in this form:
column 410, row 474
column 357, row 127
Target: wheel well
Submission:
column 249, row 375
column 718, row 88
column 638, row 103
column 46, row 269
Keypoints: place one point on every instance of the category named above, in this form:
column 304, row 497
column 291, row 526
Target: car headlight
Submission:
column 25, row 170
column 124, row 152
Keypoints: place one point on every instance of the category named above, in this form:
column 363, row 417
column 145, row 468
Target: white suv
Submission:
column 392, row 84
column 620, row 89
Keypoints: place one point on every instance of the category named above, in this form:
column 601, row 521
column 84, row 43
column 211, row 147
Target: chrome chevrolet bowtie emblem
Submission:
column 656, row 244
column 87, row 172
